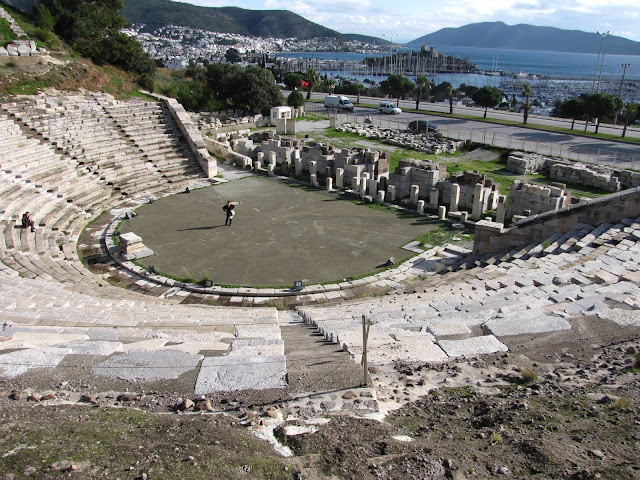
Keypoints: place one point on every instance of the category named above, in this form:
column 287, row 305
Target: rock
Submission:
column 48, row 396
column 203, row 405
column 20, row 394
column 597, row 454
column 273, row 413
column 349, row 395
column 34, row 397
column 29, row 471
column 126, row 397
column 87, row 398
column 186, row 404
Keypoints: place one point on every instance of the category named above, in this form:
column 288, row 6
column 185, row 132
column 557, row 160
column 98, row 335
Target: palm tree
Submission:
column 360, row 88
column 629, row 110
column 313, row 80
column 422, row 83
column 526, row 89
column 450, row 95
column 331, row 85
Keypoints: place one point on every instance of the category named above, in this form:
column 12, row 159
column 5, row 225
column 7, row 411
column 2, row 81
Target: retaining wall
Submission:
column 491, row 237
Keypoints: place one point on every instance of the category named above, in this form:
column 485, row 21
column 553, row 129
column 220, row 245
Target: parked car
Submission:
column 422, row 126
column 388, row 107
column 338, row 102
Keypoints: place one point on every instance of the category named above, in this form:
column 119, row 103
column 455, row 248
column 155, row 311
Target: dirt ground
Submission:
column 563, row 405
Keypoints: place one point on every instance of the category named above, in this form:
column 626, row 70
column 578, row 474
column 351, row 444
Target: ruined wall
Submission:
column 528, row 199
column 493, row 237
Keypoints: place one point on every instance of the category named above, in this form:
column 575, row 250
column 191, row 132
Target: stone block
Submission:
column 220, row 374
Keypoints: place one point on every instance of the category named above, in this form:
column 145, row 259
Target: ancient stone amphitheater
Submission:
column 68, row 158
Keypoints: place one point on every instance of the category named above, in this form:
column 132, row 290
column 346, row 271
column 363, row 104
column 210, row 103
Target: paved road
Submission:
column 584, row 149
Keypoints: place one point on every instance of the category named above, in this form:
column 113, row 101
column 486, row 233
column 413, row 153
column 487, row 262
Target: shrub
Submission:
column 529, row 376
column 295, row 99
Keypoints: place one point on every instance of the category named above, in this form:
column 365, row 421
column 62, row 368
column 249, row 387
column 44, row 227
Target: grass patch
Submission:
column 495, row 438
column 621, row 404
column 107, row 442
column 529, row 376
column 6, row 32
column 443, row 234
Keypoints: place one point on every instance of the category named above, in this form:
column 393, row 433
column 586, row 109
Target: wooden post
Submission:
column 365, row 337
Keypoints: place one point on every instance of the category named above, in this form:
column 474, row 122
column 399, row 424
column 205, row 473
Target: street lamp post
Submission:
column 599, row 63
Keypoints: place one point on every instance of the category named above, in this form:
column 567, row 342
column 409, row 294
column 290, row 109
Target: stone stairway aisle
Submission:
column 532, row 290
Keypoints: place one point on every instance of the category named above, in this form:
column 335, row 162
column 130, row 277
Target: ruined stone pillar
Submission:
column 433, row 197
column 333, row 120
column 329, row 183
column 327, row 172
column 413, row 196
column 391, row 193
column 355, row 183
column 380, row 196
column 373, row 187
column 297, row 163
column 501, row 209
column 420, row 207
column 455, row 197
column 260, row 157
column 339, row 177
column 257, row 165
column 363, row 187
column 463, row 217
column 442, row 212
column 313, row 180
column 313, row 168
column 272, row 158
column 476, row 213
column 271, row 169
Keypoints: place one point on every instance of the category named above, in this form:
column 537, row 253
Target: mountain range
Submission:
column 527, row 37
column 286, row 24
column 256, row 23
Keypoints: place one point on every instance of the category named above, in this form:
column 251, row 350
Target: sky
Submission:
column 406, row 20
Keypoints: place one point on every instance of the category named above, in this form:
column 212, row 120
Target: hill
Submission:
column 527, row 37
column 257, row 23
column 366, row 38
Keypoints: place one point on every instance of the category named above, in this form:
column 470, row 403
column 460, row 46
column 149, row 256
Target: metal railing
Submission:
column 617, row 158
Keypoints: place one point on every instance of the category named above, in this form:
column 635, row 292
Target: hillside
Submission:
column 257, row 23
column 366, row 38
column 527, row 37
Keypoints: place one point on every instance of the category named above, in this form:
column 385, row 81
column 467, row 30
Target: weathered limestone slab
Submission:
column 42, row 339
column 258, row 331
column 148, row 365
column 513, row 325
column 92, row 348
column 219, row 374
column 16, row 363
column 472, row 346
column 257, row 348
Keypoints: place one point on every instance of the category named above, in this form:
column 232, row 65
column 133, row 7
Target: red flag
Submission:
column 304, row 84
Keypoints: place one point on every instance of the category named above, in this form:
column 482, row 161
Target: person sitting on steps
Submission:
column 27, row 222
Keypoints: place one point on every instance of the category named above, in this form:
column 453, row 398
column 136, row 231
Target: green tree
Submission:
column 232, row 55
column 94, row 29
column 629, row 110
column 573, row 109
column 295, row 99
column 526, row 90
column 43, row 17
column 255, row 92
column 397, row 86
column 292, row 80
column 602, row 105
column 422, row 83
column 313, row 80
column 487, row 97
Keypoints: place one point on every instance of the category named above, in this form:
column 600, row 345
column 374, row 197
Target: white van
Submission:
column 388, row 107
column 338, row 102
